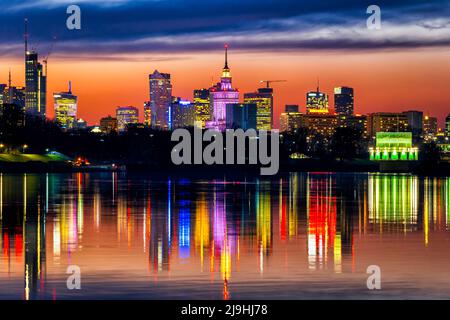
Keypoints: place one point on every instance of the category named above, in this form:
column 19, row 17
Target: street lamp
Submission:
column 25, row 147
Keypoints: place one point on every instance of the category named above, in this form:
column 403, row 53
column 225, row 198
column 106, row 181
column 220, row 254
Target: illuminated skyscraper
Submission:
column 430, row 126
column 66, row 105
column 343, row 101
column 202, row 105
column 316, row 102
column 220, row 96
column 264, row 100
column 36, row 85
column 147, row 114
column 35, row 81
column 183, row 113
column 160, row 99
column 126, row 116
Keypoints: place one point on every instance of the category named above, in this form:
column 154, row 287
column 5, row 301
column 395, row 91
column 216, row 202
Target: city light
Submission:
column 149, row 179
column 394, row 146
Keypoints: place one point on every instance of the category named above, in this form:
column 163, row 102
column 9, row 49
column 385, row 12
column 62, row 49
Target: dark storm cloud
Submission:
column 119, row 26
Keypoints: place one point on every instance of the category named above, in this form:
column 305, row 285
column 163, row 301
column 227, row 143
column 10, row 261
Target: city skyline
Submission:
column 224, row 154
column 401, row 67
column 281, row 92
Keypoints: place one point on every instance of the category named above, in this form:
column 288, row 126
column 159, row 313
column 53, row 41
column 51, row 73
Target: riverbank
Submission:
column 52, row 163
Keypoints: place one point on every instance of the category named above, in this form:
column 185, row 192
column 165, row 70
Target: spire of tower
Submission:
column 226, row 74
column 70, row 87
column 318, row 84
column 226, row 56
column 9, row 79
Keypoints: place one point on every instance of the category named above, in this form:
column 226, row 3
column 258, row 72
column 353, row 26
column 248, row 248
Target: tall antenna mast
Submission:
column 10, row 90
column 26, row 36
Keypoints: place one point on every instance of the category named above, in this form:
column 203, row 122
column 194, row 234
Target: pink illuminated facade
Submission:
column 221, row 95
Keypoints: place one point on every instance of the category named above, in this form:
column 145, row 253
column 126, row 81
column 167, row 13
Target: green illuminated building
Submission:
column 394, row 146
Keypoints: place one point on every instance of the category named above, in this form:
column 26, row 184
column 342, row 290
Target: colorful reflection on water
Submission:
column 299, row 236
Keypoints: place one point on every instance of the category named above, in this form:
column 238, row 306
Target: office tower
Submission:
column 160, row 99
column 66, row 106
column 108, row 124
column 415, row 121
column 358, row 122
column 447, row 125
column 126, row 116
column 242, row 116
column 35, row 82
column 264, row 101
column 147, row 114
column 183, row 113
column 291, row 108
column 430, row 127
column 317, row 102
column 323, row 124
column 221, row 95
column 202, row 105
column 386, row 122
column 290, row 121
column 343, row 101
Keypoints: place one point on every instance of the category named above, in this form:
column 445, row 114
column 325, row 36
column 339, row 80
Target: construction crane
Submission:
column 45, row 60
column 268, row 82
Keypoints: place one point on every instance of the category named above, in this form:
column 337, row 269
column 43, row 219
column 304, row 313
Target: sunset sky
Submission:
column 403, row 66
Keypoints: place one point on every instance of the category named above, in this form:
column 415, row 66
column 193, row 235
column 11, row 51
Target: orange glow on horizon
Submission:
column 383, row 81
